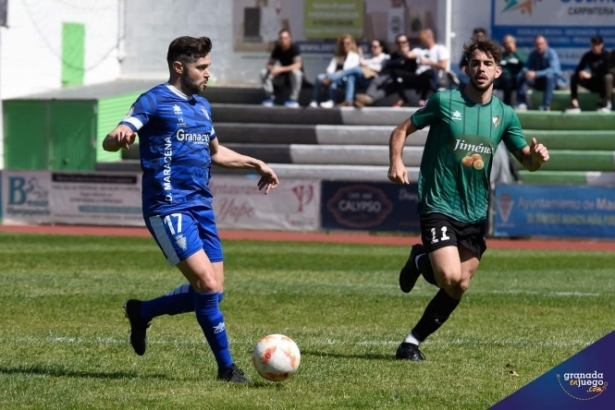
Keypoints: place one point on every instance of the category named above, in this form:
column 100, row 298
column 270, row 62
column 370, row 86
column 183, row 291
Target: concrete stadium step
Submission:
column 311, row 134
column 340, row 172
column 565, row 160
column 549, row 120
column 568, row 178
column 325, row 172
column 577, row 140
column 334, row 116
column 561, row 100
column 326, row 154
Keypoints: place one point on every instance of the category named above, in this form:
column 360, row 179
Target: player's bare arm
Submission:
column 226, row 158
column 532, row 156
column 397, row 169
column 121, row 137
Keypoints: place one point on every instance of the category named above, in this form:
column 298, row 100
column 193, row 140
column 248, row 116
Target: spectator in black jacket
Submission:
column 592, row 72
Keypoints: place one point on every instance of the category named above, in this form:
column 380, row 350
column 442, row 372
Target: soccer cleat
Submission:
column 138, row 326
column 232, row 374
column 409, row 351
column 410, row 273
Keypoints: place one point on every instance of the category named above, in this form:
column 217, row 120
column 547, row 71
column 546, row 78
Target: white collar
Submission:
column 177, row 92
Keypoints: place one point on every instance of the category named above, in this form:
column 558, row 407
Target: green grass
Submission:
column 63, row 337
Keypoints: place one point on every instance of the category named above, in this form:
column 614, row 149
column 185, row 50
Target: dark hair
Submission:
column 487, row 46
column 188, row 49
column 285, row 30
column 397, row 37
column 479, row 30
column 597, row 40
column 382, row 44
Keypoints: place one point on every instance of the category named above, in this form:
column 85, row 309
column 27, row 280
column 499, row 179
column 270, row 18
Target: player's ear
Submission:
column 498, row 71
column 178, row 67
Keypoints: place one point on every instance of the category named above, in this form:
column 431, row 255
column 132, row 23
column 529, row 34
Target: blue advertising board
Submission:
column 555, row 211
column 567, row 24
column 369, row 206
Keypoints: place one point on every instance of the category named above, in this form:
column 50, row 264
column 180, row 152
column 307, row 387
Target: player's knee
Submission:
column 448, row 280
column 206, row 283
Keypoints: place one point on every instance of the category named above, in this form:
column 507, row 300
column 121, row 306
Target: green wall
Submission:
column 73, row 54
column 110, row 113
column 49, row 134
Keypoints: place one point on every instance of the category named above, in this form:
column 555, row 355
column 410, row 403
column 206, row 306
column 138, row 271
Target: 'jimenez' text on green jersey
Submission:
column 456, row 164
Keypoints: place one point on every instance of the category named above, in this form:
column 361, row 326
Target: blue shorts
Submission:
column 181, row 234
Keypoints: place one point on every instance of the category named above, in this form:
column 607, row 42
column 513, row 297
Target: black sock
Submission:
column 426, row 269
column 436, row 313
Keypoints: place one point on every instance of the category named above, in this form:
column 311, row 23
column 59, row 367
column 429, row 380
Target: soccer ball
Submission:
column 276, row 357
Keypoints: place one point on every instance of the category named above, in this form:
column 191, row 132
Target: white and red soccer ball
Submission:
column 276, row 357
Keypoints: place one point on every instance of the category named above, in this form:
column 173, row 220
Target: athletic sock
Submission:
column 423, row 263
column 179, row 300
column 210, row 318
column 436, row 313
column 220, row 297
column 411, row 338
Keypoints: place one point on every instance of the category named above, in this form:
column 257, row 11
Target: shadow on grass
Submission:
column 63, row 372
column 366, row 356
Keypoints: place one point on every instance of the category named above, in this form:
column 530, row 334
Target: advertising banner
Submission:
column 555, row 211
column 96, row 199
column 238, row 204
column 369, row 206
column 567, row 24
column 315, row 24
column 26, row 197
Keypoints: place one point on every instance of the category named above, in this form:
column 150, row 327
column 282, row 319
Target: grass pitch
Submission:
column 64, row 340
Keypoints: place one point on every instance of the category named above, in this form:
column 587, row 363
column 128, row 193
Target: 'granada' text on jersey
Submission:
column 174, row 134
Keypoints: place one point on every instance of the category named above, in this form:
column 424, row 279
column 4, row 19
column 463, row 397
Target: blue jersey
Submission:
column 174, row 134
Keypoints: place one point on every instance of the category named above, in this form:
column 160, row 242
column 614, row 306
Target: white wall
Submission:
column 31, row 47
column 147, row 42
column 467, row 14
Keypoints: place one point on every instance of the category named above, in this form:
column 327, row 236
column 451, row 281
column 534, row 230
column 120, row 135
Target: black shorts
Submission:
column 438, row 231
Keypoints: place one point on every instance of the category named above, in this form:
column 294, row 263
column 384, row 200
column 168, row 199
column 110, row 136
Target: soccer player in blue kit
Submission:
column 178, row 145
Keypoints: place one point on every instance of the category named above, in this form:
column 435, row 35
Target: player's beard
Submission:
column 478, row 87
column 194, row 86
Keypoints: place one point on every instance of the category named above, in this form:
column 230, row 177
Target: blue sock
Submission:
column 212, row 322
column 220, row 297
column 179, row 300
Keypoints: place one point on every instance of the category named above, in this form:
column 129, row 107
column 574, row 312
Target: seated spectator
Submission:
column 398, row 72
column 289, row 71
column 433, row 61
column 542, row 72
column 345, row 58
column 592, row 72
column 513, row 61
column 362, row 75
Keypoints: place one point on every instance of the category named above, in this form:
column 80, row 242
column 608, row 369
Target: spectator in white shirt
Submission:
column 433, row 60
column 345, row 58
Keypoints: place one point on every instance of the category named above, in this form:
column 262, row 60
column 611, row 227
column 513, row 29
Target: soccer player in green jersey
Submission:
column 466, row 127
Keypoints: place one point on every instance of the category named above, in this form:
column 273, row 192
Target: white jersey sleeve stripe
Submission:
column 135, row 122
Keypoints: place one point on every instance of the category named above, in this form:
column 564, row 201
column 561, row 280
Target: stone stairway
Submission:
column 351, row 144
